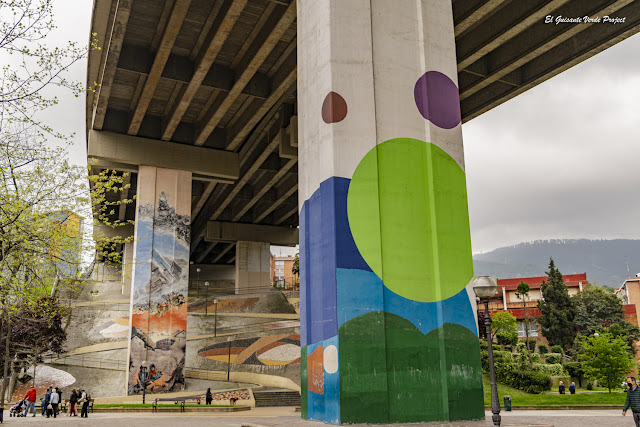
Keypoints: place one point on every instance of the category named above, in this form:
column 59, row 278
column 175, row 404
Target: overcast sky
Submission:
column 559, row 161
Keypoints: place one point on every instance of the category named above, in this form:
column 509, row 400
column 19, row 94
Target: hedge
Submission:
column 553, row 357
column 535, row 357
column 554, row 369
column 483, row 345
column 574, row 369
column 506, row 338
column 543, row 349
column 557, row 349
column 529, row 381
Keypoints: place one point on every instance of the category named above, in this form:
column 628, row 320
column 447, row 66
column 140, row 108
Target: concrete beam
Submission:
column 233, row 232
column 202, row 162
column 169, row 36
column 472, row 47
column 116, row 36
column 277, row 203
column 138, row 59
column 221, row 28
column 206, row 252
column 223, row 252
column 270, row 35
column 478, row 15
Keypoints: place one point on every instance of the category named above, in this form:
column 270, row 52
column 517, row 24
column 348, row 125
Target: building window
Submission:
column 533, row 329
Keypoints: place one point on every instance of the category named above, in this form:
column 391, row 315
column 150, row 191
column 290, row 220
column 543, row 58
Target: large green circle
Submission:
column 407, row 210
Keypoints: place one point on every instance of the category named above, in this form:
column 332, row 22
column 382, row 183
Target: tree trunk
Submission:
column 5, row 373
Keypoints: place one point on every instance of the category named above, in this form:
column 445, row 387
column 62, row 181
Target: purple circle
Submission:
column 438, row 100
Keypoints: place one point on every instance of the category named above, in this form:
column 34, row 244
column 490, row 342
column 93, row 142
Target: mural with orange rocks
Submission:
column 273, row 350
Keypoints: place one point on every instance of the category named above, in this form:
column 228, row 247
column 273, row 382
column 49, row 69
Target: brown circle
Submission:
column 334, row 108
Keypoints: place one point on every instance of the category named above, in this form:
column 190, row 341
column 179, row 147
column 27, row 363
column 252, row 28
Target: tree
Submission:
column 557, row 311
column 606, row 359
column 295, row 269
column 503, row 326
column 596, row 308
column 522, row 292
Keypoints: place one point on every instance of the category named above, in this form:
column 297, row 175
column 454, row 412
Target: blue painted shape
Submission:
column 331, row 388
column 326, row 244
column 359, row 293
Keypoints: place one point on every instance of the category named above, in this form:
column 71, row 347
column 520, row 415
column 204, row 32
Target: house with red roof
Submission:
column 506, row 300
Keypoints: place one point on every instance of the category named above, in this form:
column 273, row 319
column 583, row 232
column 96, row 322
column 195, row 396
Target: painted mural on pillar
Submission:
column 388, row 330
column 270, row 350
column 159, row 300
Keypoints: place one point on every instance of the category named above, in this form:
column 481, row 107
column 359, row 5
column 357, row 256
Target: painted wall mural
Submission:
column 158, row 319
column 272, row 350
column 388, row 330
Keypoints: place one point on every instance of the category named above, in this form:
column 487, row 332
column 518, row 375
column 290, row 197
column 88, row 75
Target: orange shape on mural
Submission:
column 315, row 371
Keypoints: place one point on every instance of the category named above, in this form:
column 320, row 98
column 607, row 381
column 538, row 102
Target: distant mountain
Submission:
column 604, row 261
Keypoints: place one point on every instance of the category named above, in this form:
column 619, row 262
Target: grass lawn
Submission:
column 519, row 397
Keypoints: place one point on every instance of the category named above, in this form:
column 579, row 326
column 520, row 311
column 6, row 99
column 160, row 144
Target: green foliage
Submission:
column 507, row 338
column 532, row 344
column 543, row 349
column 484, row 345
column 574, row 369
column 295, row 269
column 553, row 370
column 589, row 385
column 527, row 380
column 553, row 358
column 496, row 347
column 557, row 349
column 503, row 322
column 625, row 330
column 606, row 359
column 557, row 311
column 596, row 308
column 535, row 357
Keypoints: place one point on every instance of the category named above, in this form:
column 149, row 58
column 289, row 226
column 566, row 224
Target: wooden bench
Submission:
column 182, row 400
column 64, row 405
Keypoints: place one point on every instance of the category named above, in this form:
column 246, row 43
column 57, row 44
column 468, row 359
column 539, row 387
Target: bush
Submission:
column 590, row 385
column 553, row 370
column 483, row 345
column 498, row 357
column 529, row 381
column 574, row 369
column 496, row 347
column 557, row 349
column 553, row 358
column 543, row 349
column 532, row 344
column 507, row 338
column 535, row 357
column 521, row 348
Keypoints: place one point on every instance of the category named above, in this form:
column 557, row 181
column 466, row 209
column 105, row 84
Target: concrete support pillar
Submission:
column 252, row 267
column 388, row 326
column 158, row 316
column 127, row 268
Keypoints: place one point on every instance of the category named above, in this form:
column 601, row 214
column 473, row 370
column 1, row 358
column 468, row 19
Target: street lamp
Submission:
column 198, row 281
column 215, row 319
column 206, row 298
column 144, row 379
column 485, row 288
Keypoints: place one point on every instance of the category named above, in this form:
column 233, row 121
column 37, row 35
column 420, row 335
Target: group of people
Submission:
column 50, row 403
column 572, row 388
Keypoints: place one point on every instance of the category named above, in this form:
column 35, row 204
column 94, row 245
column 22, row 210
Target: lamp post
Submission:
column 198, row 281
column 215, row 319
column 145, row 377
column 485, row 288
column 206, row 298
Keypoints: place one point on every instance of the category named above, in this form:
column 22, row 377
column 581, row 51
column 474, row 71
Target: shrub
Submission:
column 526, row 380
column 483, row 345
column 507, row 338
column 521, row 348
column 553, row 358
column 557, row 349
column 532, row 344
column 553, row 370
column 535, row 357
column 498, row 357
column 496, row 347
column 590, row 385
column 574, row 369
column 543, row 349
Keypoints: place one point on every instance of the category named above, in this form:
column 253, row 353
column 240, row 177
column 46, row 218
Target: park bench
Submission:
column 65, row 404
column 181, row 400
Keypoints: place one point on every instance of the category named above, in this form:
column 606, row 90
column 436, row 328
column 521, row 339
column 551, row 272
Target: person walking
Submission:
column 208, row 397
column 561, row 387
column 572, row 388
column 633, row 400
column 73, row 399
column 84, row 399
column 45, row 402
column 30, row 397
column 55, row 401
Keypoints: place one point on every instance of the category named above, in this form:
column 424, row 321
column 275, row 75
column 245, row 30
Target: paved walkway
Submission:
column 281, row 417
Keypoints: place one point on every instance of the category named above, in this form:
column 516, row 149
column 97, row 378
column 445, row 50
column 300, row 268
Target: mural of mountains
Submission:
column 604, row 261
